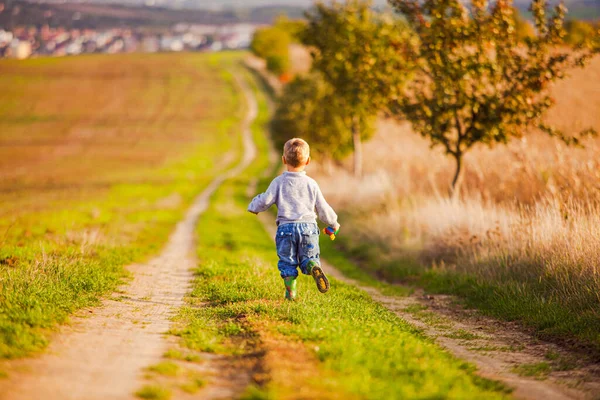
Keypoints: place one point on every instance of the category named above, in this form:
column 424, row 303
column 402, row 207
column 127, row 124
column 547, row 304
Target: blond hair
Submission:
column 296, row 152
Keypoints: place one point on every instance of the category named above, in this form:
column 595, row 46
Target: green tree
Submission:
column 292, row 26
column 272, row 44
column 278, row 64
column 309, row 108
column 356, row 51
column 474, row 82
column 578, row 32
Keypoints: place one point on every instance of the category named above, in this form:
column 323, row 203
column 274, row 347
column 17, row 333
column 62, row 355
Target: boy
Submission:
column 297, row 198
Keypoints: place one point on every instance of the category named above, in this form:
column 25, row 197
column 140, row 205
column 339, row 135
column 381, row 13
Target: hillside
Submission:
column 96, row 15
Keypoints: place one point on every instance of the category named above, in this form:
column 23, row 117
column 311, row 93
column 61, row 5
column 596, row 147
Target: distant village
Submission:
column 28, row 42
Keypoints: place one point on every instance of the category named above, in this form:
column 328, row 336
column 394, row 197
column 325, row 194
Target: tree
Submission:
column 278, row 64
column 355, row 50
column 272, row 44
column 292, row 26
column 578, row 32
column 474, row 82
column 309, row 108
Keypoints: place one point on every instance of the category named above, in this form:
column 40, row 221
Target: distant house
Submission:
column 20, row 49
column 217, row 45
column 5, row 38
column 116, row 46
column 150, row 44
column 74, row 48
column 171, row 43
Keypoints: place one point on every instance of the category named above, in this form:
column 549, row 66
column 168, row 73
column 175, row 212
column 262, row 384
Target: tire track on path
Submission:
column 102, row 353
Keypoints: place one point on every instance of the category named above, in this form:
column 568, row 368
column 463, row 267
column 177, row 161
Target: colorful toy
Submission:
column 329, row 231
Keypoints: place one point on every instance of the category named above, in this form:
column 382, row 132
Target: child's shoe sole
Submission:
column 320, row 278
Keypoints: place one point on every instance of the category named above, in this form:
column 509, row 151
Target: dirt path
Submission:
column 102, row 354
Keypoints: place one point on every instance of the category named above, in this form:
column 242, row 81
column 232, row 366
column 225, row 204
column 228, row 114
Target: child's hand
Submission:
column 329, row 231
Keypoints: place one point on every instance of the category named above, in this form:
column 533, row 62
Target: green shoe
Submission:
column 319, row 276
column 290, row 287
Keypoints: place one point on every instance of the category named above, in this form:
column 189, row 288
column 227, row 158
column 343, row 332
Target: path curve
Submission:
column 103, row 353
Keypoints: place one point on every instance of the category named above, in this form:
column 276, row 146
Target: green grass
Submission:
column 344, row 263
column 178, row 355
column 153, row 392
column 376, row 269
column 173, row 354
column 560, row 362
column 358, row 347
column 193, row 386
column 536, row 370
column 463, row 335
column 67, row 230
column 256, row 393
column 165, row 368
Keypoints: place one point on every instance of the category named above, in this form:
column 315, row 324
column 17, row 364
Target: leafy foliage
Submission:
column 278, row 64
column 272, row 44
column 578, row 32
column 356, row 51
column 291, row 26
column 309, row 108
column 474, row 82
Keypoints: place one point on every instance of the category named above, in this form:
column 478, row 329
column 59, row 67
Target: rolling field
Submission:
column 99, row 158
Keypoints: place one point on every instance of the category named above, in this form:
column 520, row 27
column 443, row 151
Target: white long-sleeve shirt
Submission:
column 298, row 199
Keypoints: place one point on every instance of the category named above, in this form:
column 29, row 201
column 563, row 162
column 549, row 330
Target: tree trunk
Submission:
column 358, row 158
column 458, row 175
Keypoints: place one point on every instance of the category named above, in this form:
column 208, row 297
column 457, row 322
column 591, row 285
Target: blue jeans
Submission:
column 297, row 244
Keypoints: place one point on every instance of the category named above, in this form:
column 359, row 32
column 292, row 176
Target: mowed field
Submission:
column 99, row 157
